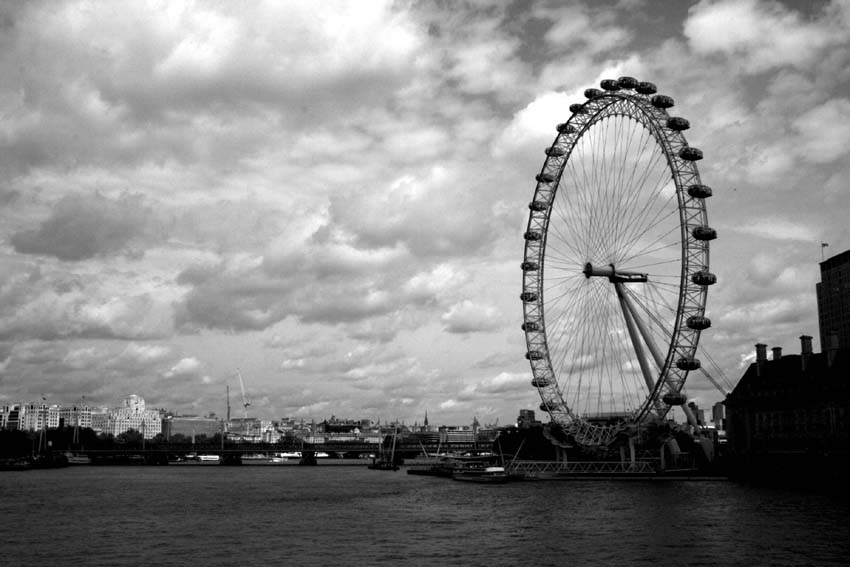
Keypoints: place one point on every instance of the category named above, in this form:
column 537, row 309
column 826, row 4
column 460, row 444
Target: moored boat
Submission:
column 255, row 457
column 442, row 466
column 48, row 461
column 489, row 475
column 383, row 465
column 436, row 469
column 77, row 458
column 15, row 464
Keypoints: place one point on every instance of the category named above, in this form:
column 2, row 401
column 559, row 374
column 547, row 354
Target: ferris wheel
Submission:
column 616, row 264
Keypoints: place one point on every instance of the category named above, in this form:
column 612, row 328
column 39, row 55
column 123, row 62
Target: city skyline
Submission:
column 43, row 404
column 331, row 198
column 132, row 414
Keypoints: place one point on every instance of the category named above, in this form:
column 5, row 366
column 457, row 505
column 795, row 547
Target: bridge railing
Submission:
column 404, row 448
column 532, row 469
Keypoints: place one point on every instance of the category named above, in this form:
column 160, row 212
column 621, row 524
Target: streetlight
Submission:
column 42, row 413
column 79, row 415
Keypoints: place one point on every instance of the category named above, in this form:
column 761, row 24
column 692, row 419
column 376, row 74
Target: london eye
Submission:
column 616, row 264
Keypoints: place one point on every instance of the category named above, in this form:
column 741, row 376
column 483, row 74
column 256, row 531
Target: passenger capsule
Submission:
column 566, row 128
column 704, row 277
column 704, row 233
column 674, row 399
column 577, row 108
column 627, row 82
column 532, row 235
column 554, row 151
column 610, row 85
column 529, row 266
column 544, row 178
column 690, row 154
column 700, row 191
column 646, row 88
column 528, row 296
column 531, row 326
column 541, row 382
column 592, row 93
column 534, row 355
column 688, row 363
column 698, row 322
column 678, row 123
column 661, row 101
column 538, row 206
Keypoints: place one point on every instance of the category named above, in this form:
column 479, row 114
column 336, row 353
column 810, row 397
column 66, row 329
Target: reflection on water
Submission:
column 354, row 516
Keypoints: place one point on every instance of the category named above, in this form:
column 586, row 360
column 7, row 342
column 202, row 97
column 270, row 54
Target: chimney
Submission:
column 831, row 348
column 761, row 357
column 777, row 353
column 805, row 351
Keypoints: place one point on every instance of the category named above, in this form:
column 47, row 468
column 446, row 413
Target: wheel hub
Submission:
column 614, row 275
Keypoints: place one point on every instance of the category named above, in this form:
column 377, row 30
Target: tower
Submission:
column 833, row 293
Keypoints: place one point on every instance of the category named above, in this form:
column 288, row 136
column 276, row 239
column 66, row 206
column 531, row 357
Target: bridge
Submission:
column 232, row 453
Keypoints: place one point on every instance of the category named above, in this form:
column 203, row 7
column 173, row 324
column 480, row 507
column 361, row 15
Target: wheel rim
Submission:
column 615, row 265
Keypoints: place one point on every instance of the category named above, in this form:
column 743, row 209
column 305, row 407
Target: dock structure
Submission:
column 558, row 470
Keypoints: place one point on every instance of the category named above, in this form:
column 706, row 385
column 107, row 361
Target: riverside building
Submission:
column 133, row 415
column 790, row 415
column 34, row 417
column 833, row 293
column 190, row 426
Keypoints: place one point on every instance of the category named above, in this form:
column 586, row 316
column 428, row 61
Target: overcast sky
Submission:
column 330, row 196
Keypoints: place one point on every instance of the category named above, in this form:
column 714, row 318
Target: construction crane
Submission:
column 228, row 402
column 245, row 401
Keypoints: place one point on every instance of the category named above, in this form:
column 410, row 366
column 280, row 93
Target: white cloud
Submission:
column 184, row 367
column 438, row 281
column 146, row 353
column 578, row 27
column 54, row 308
column 291, row 363
column 776, row 228
column 469, row 317
column 759, row 35
column 83, row 358
column 746, row 360
column 505, row 381
column 536, row 122
column 823, row 132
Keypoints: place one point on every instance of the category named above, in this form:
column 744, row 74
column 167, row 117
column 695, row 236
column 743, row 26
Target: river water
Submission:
column 346, row 515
